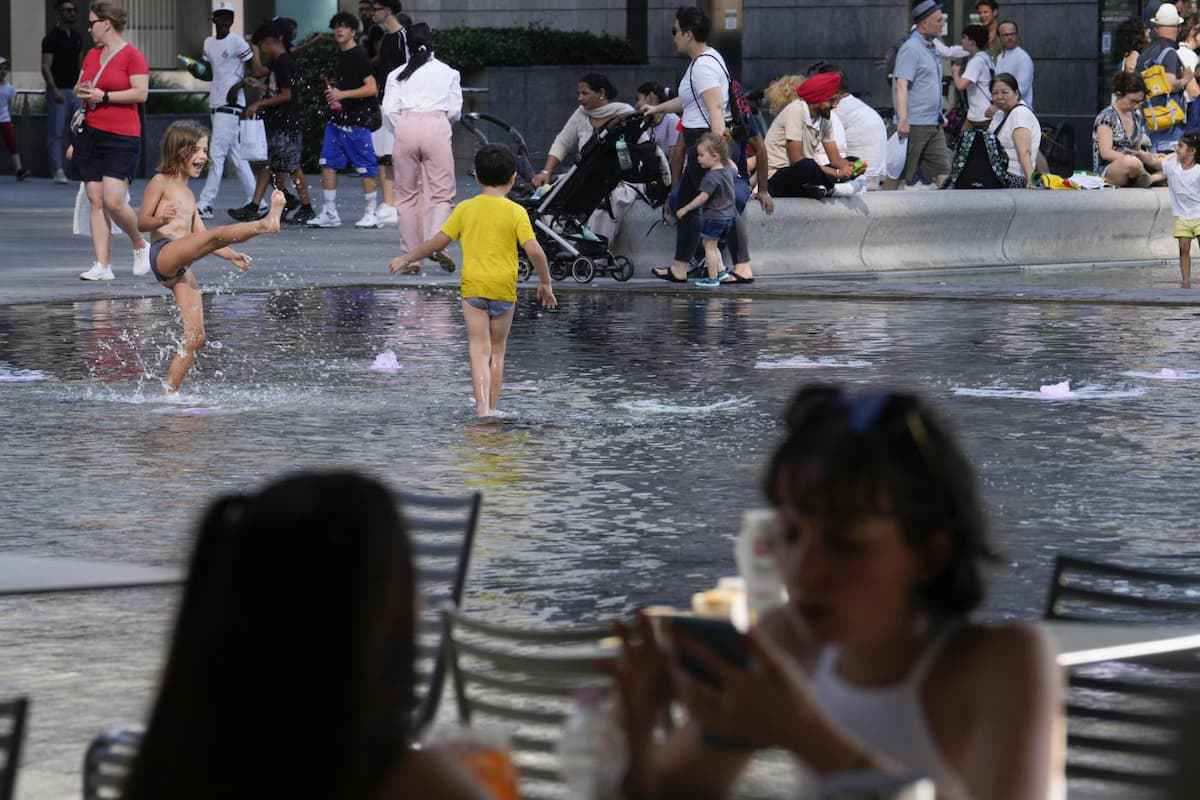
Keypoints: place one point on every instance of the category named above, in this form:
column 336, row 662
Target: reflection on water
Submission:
column 630, row 437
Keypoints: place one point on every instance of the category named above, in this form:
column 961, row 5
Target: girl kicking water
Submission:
column 178, row 237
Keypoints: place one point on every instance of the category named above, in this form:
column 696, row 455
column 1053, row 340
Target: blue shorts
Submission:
column 715, row 228
column 494, row 308
column 344, row 147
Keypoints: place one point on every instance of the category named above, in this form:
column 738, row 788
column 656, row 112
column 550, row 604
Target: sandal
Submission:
column 665, row 274
column 733, row 277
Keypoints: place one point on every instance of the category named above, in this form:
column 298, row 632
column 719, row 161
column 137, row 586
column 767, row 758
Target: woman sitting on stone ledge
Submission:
column 1120, row 145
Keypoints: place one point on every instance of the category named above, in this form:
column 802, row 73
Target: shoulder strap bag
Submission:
column 77, row 119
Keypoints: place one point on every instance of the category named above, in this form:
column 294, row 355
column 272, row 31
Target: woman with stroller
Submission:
column 596, row 109
column 703, row 103
column 421, row 100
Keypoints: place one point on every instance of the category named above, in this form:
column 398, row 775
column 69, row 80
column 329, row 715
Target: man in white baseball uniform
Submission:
column 228, row 54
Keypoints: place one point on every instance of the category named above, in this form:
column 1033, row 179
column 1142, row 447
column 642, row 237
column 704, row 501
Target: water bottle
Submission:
column 755, row 556
column 623, row 157
column 334, row 105
column 592, row 754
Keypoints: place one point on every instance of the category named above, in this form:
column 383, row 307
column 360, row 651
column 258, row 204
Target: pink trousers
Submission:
column 423, row 163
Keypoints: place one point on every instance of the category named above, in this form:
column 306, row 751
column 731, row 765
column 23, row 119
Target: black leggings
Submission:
column 805, row 178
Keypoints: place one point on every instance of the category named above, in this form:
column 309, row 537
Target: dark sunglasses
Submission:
column 92, row 22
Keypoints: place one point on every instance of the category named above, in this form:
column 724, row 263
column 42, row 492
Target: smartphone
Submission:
column 718, row 636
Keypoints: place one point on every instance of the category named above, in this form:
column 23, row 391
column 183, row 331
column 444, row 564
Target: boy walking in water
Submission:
column 1183, row 179
column 491, row 227
column 179, row 238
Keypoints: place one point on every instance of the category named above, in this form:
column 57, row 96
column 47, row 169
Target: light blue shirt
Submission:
column 1016, row 62
column 917, row 61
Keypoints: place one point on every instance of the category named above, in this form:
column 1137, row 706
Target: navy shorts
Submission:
column 494, row 308
column 100, row 154
column 344, row 147
column 715, row 228
column 284, row 147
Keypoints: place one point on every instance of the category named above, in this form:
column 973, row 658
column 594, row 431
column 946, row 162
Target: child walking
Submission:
column 7, row 92
column 491, row 228
column 717, row 198
column 178, row 237
column 1183, row 179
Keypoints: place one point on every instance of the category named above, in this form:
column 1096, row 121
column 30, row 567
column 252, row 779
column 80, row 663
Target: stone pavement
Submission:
column 40, row 261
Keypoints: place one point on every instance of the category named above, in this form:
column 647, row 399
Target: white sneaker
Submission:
column 328, row 218
column 369, row 220
column 850, row 188
column 386, row 215
column 204, row 212
column 60, row 177
column 98, row 272
column 141, row 261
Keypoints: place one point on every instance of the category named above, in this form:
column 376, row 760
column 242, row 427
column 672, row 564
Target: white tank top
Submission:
column 889, row 719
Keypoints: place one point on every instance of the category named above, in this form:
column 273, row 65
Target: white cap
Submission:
column 1167, row 16
column 224, row 7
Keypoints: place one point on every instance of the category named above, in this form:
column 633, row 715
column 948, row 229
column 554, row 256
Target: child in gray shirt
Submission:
column 716, row 196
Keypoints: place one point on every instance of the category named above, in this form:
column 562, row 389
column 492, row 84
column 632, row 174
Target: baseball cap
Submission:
column 219, row 7
column 924, row 8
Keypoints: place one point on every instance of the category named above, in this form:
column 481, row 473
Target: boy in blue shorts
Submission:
column 491, row 228
column 353, row 113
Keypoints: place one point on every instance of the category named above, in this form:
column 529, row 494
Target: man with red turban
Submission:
column 799, row 131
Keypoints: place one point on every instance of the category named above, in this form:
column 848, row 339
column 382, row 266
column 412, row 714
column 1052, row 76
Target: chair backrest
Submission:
column 12, row 736
column 1091, row 591
column 108, row 760
column 524, row 679
column 442, row 530
column 1125, row 723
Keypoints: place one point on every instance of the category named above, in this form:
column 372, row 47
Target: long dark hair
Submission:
column 290, row 672
column 848, row 456
column 420, row 49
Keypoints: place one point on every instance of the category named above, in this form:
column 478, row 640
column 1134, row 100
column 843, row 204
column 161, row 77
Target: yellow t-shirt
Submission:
column 491, row 229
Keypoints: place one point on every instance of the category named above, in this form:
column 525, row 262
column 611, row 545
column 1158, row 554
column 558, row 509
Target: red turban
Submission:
column 820, row 87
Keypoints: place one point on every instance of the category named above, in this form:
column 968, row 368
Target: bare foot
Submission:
column 271, row 222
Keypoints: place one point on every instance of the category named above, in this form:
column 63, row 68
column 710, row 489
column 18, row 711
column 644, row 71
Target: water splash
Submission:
column 662, row 407
column 804, row 362
column 13, row 375
column 386, row 362
column 1165, row 374
column 1058, row 391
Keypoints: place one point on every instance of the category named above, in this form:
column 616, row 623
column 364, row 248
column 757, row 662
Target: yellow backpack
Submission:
column 1166, row 113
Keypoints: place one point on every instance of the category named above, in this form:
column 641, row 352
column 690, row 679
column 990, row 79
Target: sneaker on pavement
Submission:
column 141, row 261
column 60, row 177
column 369, row 220
column 303, row 216
column 246, row 213
column 707, row 283
column 290, row 204
column 328, row 218
column 386, row 215
column 22, row 174
column 204, row 212
column 442, row 260
column 99, row 272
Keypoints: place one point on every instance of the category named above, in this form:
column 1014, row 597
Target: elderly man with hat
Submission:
column 1162, row 51
column 802, row 129
column 917, row 93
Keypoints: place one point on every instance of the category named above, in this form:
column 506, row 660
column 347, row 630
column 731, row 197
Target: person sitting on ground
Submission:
column 597, row 108
column 291, row 668
column 1017, row 130
column 873, row 663
column 975, row 80
column 797, row 133
column 1120, row 147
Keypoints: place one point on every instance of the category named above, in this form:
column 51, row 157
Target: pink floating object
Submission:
column 1056, row 390
column 386, row 362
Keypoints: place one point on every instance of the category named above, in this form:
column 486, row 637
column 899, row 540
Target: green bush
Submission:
column 467, row 50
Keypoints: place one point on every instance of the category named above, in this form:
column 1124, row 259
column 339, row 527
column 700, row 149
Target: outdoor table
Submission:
column 1090, row 642
column 37, row 575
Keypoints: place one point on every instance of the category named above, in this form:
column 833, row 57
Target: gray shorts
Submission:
column 494, row 308
column 926, row 149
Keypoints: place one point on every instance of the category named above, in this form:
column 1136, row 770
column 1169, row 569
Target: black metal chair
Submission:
column 1091, row 591
column 108, row 760
column 442, row 530
column 526, row 680
column 13, row 713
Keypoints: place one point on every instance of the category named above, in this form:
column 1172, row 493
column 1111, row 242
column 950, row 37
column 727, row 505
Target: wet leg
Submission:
column 191, row 311
column 1185, row 263
column 499, row 328
column 479, row 345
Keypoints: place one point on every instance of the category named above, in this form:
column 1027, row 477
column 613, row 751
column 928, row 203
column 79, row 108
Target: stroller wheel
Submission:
column 558, row 270
column 622, row 268
column 524, row 269
column 583, row 270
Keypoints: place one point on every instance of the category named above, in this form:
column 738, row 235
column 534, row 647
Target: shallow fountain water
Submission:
column 631, row 435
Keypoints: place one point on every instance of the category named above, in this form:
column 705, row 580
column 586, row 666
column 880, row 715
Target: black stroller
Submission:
column 618, row 152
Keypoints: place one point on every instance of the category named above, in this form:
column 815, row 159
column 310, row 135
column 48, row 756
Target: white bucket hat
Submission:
column 1167, row 16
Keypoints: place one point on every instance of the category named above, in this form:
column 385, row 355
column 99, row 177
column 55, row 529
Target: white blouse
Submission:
column 435, row 86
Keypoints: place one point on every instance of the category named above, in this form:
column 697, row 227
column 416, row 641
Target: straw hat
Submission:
column 1167, row 16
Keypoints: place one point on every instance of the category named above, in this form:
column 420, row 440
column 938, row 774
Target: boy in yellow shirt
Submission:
column 491, row 228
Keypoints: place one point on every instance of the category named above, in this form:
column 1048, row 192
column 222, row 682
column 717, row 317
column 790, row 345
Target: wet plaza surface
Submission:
column 632, row 433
